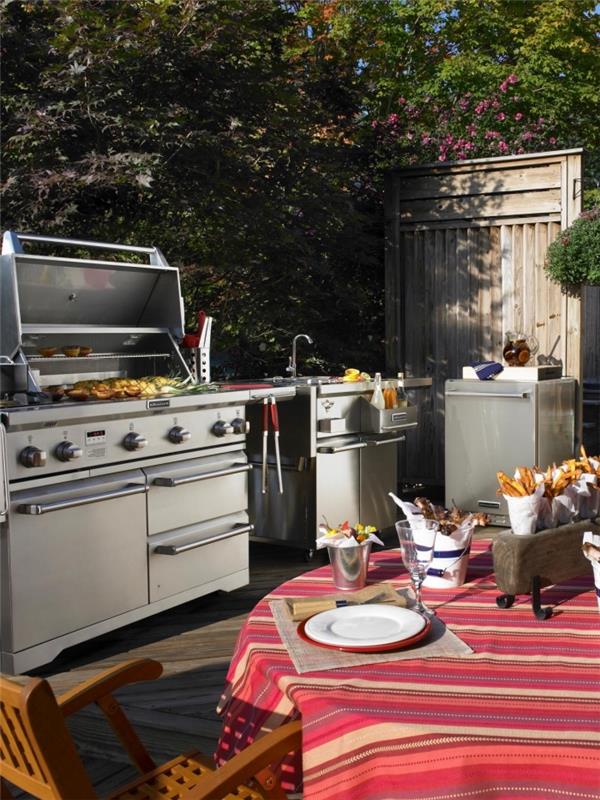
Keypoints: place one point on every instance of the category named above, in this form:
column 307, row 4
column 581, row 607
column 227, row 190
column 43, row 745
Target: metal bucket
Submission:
column 349, row 565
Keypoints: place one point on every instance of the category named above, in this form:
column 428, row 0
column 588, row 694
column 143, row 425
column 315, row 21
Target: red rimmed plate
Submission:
column 399, row 644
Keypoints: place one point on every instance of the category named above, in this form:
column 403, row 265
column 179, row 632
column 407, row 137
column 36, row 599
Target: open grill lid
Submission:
column 120, row 309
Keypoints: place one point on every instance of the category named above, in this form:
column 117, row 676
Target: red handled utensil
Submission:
column 275, row 423
column 265, row 428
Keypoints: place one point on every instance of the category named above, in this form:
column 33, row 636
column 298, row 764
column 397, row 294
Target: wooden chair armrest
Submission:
column 268, row 750
column 139, row 669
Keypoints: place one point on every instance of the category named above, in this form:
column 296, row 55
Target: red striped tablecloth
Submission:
column 519, row 719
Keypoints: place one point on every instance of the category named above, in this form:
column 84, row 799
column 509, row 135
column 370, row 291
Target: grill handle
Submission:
column 480, row 395
column 12, row 243
column 202, row 476
column 379, row 442
column 86, row 500
column 176, row 549
column 333, row 450
column 401, row 427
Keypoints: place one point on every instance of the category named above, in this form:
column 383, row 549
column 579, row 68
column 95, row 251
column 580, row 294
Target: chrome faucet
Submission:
column 292, row 366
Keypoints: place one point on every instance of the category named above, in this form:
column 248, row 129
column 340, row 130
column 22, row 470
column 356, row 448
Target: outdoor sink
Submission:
column 307, row 380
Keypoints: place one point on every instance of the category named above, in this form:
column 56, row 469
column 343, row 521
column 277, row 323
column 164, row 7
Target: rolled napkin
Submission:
column 591, row 550
column 303, row 607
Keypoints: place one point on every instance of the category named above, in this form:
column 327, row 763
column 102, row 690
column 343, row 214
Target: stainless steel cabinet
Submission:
column 492, row 426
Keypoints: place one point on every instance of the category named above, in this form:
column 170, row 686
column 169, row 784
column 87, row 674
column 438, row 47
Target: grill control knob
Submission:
column 67, row 451
column 134, row 441
column 33, row 457
column 222, row 428
column 240, row 425
column 178, row 435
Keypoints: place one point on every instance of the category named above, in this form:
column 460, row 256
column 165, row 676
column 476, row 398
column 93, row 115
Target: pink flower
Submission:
column 374, row 124
column 491, row 135
column 503, row 147
column 512, row 78
column 495, row 104
column 552, row 140
column 527, row 136
column 392, row 119
column 518, row 116
column 463, row 103
column 472, row 129
column 425, row 138
column 501, row 116
column 482, row 106
column 410, row 136
column 541, row 121
column 401, row 100
column 503, row 86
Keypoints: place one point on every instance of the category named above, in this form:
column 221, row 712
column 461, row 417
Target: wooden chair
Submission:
column 38, row 754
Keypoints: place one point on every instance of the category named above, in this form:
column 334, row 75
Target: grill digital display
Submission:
column 95, row 437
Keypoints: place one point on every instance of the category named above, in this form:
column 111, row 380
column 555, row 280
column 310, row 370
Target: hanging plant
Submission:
column 574, row 258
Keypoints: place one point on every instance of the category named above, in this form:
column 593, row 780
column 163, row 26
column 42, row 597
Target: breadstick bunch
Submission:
column 555, row 479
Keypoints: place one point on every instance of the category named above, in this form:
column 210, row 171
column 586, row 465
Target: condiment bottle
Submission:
column 389, row 395
column 377, row 398
column 401, row 398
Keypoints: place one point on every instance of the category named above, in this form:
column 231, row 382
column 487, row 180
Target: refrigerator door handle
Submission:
column 516, row 395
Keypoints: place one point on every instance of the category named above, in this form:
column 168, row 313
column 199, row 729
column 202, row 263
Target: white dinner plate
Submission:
column 369, row 625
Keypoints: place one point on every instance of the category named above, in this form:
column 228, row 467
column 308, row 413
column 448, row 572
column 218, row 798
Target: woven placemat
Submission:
column 440, row 643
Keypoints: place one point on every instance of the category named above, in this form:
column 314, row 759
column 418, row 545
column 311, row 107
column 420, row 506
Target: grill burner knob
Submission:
column 222, row 428
column 67, row 451
column 240, row 425
column 134, row 441
column 178, row 435
column 33, row 457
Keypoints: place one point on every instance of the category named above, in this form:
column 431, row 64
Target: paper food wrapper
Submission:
column 591, row 550
column 451, row 552
column 589, row 496
column 524, row 512
column 304, row 607
column 450, row 557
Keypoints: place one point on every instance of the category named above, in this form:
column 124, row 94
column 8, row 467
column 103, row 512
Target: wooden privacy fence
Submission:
column 465, row 249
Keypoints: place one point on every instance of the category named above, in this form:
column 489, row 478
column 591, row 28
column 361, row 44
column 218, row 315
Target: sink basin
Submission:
column 305, row 380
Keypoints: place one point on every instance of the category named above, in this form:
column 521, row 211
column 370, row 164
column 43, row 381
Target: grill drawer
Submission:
column 198, row 554
column 197, row 490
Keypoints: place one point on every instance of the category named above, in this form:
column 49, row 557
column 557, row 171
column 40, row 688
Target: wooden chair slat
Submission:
column 37, row 752
column 27, row 754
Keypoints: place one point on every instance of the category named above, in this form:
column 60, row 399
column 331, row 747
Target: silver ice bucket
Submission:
column 349, row 565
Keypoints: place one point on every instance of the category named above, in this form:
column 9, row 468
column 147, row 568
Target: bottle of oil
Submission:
column 390, row 396
column 401, row 398
column 377, row 399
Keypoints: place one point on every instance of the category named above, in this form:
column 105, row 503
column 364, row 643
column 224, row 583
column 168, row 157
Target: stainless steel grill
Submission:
column 113, row 509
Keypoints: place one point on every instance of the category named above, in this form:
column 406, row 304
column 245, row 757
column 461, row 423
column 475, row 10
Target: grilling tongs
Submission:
column 270, row 400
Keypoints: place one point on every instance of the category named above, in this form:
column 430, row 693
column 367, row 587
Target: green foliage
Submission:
column 249, row 138
column 573, row 258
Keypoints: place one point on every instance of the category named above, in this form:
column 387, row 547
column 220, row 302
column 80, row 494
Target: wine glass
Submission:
column 417, row 540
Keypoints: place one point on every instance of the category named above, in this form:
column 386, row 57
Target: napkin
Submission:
column 303, row 607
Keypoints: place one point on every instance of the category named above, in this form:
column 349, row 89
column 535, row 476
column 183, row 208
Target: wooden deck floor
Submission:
column 194, row 642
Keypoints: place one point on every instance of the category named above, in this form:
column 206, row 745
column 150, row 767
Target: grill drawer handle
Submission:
column 85, row 500
column 176, row 549
column 203, row 476
column 480, row 395
column 402, row 426
column 379, row 442
column 333, row 450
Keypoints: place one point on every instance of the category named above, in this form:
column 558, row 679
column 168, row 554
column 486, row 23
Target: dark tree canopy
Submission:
column 248, row 138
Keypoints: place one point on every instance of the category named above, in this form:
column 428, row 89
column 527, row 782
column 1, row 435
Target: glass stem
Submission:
column 417, row 585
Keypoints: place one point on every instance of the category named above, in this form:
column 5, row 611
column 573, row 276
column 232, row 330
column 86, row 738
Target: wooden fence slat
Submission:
column 524, row 179
column 484, row 205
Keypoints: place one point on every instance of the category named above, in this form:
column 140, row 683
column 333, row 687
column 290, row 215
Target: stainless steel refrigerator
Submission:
column 500, row 425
